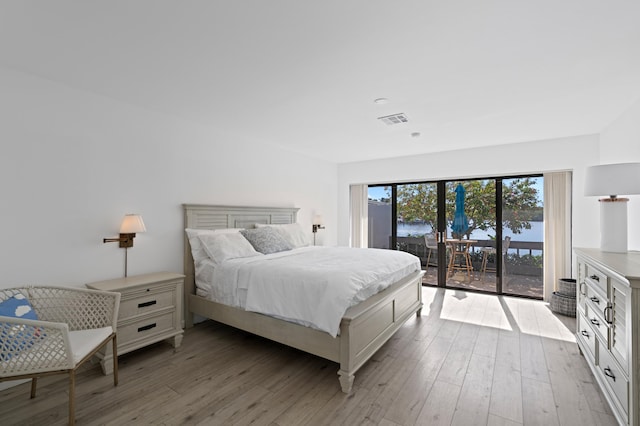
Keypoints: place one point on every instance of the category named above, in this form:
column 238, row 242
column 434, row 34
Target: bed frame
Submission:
column 363, row 330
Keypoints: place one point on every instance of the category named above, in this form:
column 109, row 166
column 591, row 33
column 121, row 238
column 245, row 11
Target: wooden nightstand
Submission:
column 150, row 311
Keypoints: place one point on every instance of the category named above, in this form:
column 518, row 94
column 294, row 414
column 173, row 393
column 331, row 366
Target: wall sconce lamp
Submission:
column 613, row 180
column 318, row 223
column 131, row 224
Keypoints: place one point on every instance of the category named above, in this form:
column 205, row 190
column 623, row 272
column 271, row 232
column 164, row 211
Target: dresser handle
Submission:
column 607, row 314
column 595, row 277
column 584, row 293
column 595, row 322
column 585, row 333
column 595, row 300
column 146, row 327
column 145, row 304
column 608, row 373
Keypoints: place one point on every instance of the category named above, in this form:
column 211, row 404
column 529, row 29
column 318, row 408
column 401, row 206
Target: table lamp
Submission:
column 613, row 180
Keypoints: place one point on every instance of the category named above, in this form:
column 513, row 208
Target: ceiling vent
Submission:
column 392, row 119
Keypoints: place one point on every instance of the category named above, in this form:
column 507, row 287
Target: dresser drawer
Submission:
column 596, row 278
column 598, row 324
column 146, row 328
column 145, row 301
column 587, row 336
column 615, row 379
column 595, row 298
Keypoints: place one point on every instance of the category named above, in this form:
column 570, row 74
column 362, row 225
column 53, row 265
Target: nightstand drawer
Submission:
column 145, row 328
column 148, row 300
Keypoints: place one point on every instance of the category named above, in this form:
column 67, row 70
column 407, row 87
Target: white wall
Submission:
column 73, row 163
column 574, row 153
column 620, row 143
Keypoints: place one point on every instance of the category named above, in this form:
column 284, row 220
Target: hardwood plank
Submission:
column 500, row 421
column 506, row 393
column 411, row 398
column 303, row 408
column 475, row 394
column 539, row 405
column 571, row 405
column 532, row 358
column 440, row 405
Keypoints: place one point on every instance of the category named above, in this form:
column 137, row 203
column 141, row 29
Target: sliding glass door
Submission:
column 475, row 234
column 471, row 236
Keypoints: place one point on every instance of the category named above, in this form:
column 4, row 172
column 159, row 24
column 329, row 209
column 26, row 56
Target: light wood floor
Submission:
column 471, row 359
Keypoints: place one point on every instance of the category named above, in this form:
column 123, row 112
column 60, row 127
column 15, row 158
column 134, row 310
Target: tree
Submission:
column 418, row 202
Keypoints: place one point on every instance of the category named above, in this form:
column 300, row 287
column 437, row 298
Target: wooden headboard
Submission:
column 203, row 216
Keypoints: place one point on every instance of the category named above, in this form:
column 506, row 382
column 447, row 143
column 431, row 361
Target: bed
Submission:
column 363, row 329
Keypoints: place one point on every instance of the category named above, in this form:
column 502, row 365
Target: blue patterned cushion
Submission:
column 15, row 338
column 266, row 240
column 17, row 306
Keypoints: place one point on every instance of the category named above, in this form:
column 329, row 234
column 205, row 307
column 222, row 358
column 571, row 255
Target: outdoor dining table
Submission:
column 460, row 259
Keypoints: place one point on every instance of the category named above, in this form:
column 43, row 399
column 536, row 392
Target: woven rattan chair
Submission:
column 72, row 325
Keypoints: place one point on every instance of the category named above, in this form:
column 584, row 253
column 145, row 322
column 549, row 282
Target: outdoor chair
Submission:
column 432, row 244
column 54, row 330
column 487, row 251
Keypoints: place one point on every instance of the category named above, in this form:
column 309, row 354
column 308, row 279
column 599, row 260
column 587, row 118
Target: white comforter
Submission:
column 313, row 286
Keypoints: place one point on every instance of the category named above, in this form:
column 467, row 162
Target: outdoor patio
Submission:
column 522, row 285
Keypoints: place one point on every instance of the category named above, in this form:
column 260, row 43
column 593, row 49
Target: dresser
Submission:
column 150, row 311
column 608, row 326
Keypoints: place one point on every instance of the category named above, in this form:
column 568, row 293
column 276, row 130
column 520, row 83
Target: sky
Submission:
column 377, row 192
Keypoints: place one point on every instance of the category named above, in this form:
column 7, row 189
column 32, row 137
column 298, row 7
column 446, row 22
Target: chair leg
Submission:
column 34, row 383
column 483, row 268
column 114, row 344
column 72, row 397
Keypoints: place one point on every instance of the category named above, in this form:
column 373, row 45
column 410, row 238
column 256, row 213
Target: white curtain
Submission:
column 557, row 230
column 359, row 208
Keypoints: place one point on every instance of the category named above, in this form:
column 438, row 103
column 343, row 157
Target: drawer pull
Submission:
column 595, row 277
column 145, row 304
column 595, row 322
column 146, row 327
column 608, row 373
column 582, row 292
column 595, row 300
column 585, row 333
column 607, row 314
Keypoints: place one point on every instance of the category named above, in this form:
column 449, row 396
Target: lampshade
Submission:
column 613, row 179
column 132, row 224
column 318, row 220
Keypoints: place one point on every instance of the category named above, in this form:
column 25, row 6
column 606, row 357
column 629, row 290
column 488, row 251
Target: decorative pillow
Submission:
column 223, row 246
column 17, row 306
column 17, row 337
column 197, row 251
column 292, row 232
column 266, row 240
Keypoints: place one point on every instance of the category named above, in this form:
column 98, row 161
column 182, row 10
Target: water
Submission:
column 536, row 233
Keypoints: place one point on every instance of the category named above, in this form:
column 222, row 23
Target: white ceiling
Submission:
column 303, row 74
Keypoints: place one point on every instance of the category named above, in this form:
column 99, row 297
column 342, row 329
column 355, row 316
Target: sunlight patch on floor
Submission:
column 502, row 312
column 474, row 308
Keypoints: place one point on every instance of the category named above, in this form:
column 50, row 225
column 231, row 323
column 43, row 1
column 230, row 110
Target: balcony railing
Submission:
column 518, row 250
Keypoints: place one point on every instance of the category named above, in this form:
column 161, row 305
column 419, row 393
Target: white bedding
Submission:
column 312, row 286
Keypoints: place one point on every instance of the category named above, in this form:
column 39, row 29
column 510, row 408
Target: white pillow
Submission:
column 197, row 250
column 224, row 246
column 291, row 232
